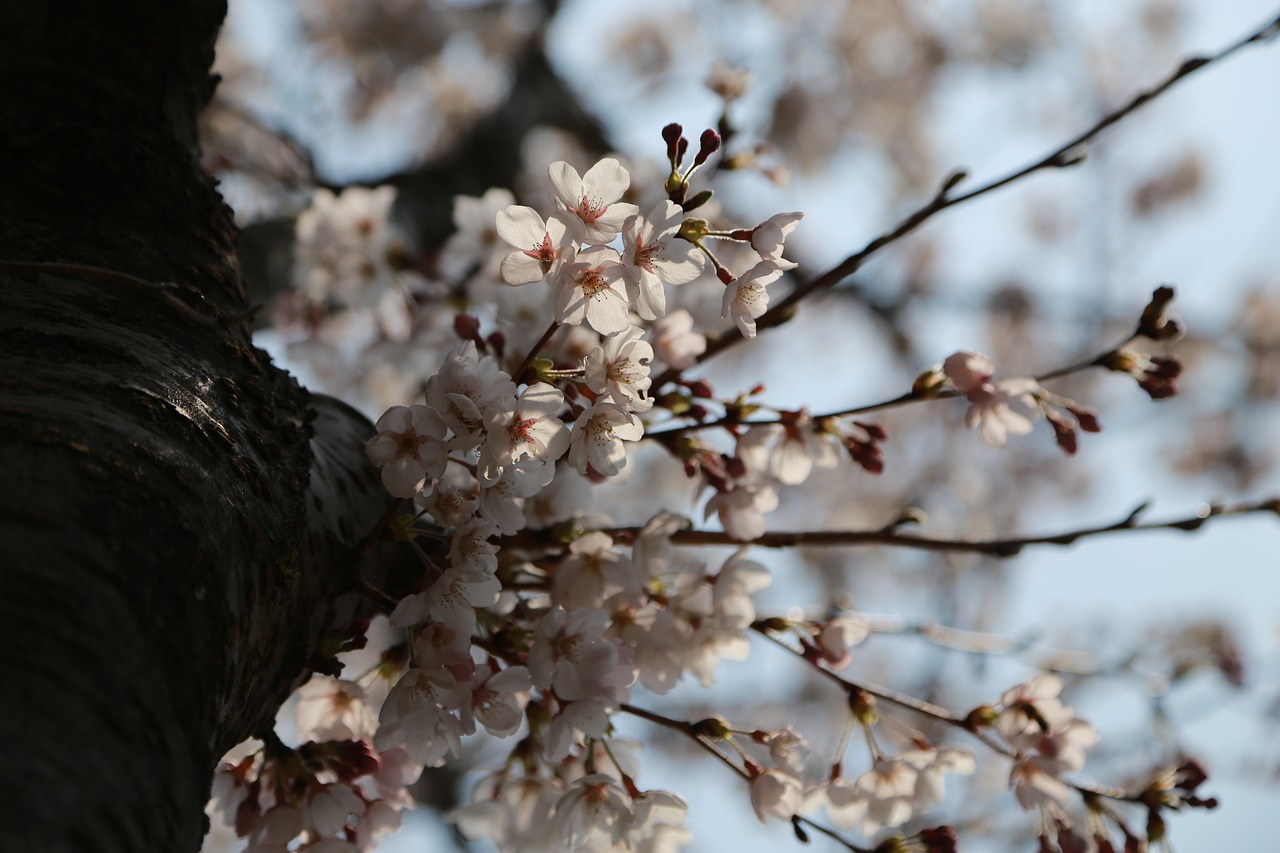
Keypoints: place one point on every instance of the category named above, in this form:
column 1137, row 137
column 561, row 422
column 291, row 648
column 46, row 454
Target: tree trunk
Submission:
column 177, row 514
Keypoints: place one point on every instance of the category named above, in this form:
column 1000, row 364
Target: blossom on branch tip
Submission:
column 767, row 237
column 776, row 793
column 745, row 298
column 675, row 341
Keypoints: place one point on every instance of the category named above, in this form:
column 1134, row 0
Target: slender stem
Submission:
column 892, row 536
column 690, row 731
column 1062, row 157
column 894, row 402
column 534, row 350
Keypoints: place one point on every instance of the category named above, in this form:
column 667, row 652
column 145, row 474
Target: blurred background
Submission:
column 854, row 111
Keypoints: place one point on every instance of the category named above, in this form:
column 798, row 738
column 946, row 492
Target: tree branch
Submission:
column 1067, row 154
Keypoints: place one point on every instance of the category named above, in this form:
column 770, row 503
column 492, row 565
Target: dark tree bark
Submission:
column 177, row 514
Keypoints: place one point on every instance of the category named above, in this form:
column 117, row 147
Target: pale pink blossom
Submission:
column 464, row 388
column 498, row 698
column 596, row 810
column 332, row 709
column 329, row 807
column 620, row 369
column 767, row 237
column 452, row 599
column 591, row 288
column 590, row 717
column 836, row 636
column 593, row 571
column 788, row 749
column 475, row 238
column 409, row 447
column 540, row 246
column 598, row 436
column 968, row 370
column 746, row 299
column 993, row 411
column 653, row 256
column 417, row 715
column 594, row 199
column 789, row 451
column 675, row 342
column 571, row 655
column 342, row 245
column 380, row 819
column 522, row 428
column 776, row 793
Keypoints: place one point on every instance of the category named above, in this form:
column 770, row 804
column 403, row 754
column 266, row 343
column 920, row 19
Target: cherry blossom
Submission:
column 653, row 256
column 593, row 200
column 328, row 807
column 591, row 288
column 675, row 342
column 993, row 411
column 745, row 298
column 464, row 388
column 522, row 428
column 598, row 436
column 473, row 242
column 790, row 450
column 499, row 697
column 595, row 808
column 776, row 793
column 620, row 369
column 417, row 715
column 342, row 245
column 540, row 246
column 571, row 656
column 768, row 236
column 409, row 447
column 331, row 709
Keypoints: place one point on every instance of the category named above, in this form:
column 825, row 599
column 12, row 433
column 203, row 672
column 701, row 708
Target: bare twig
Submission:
column 1068, row 154
column 892, row 536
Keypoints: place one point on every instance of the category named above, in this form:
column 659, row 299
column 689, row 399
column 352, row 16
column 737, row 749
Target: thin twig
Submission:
column 1068, row 154
column 893, row 402
column 895, row 537
column 534, row 350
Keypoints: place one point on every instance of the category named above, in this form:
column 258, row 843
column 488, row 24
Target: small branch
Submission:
column 894, row 402
column 938, row 713
column 891, row 536
column 1066, row 155
column 690, row 730
column 534, row 350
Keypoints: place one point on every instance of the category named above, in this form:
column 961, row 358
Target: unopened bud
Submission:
column 1153, row 324
column 708, row 144
column 929, row 383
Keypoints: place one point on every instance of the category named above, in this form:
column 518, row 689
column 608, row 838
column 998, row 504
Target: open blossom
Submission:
column 745, row 298
column 409, row 447
column 653, row 256
column 465, row 386
column 768, row 236
column 417, row 715
column 571, row 655
column 968, row 370
column 522, row 428
column 675, row 342
column 993, row 411
column 498, row 699
column 328, row 807
column 789, row 451
column 593, row 200
column 591, row 288
column 331, row 709
column 595, row 809
column 342, row 245
column 540, row 246
column 620, row 368
column 598, row 436
column 473, row 242
column 776, row 793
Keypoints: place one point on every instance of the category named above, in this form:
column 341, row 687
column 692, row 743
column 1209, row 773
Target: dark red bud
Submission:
column 708, row 144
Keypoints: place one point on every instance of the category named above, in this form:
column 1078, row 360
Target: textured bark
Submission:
column 177, row 513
